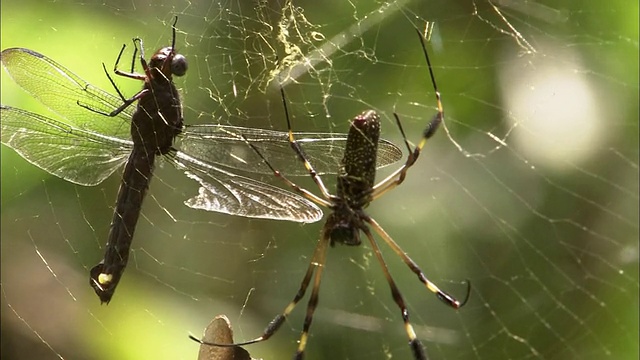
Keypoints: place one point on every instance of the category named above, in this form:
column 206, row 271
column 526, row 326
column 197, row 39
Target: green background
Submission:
column 550, row 245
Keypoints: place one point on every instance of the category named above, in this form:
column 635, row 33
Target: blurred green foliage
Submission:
column 552, row 255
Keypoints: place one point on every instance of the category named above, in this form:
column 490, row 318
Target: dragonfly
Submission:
column 98, row 132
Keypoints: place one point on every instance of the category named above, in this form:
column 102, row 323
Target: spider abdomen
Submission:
column 357, row 174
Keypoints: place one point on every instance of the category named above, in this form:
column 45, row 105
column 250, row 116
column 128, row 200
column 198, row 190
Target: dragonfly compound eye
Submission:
column 179, row 65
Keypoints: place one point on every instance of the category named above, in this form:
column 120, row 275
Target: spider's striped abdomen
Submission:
column 355, row 180
column 357, row 175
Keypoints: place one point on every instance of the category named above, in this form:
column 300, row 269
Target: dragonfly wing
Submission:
column 76, row 155
column 328, row 150
column 225, row 145
column 388, row 153
column 225, row 192
column 64, row 92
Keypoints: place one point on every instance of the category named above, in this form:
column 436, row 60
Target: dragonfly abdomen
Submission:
column 135, row 182
column 158, row 117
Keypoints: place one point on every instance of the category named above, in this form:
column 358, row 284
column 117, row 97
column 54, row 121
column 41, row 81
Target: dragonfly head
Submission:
column 169, row 62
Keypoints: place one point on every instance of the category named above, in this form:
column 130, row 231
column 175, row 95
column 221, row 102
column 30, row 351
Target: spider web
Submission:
column 530, row 190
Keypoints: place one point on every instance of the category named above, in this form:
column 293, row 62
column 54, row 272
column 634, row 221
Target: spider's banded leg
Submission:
column 414, row 343
column 306, row 193
column 404, row 135
column 313, row 299
column 443, row 296
column 398, row 176
column 316, row 263
column 300, row 153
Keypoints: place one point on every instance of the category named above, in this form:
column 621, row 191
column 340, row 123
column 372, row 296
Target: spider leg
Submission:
column 303, row 158
column 306, row 193
column 301, row 155
column 313, row 299
column 398, row 176
column 317, row 263
column 414, row 343
column 443, row 296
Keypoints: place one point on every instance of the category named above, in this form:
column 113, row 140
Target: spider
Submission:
column 355, row 190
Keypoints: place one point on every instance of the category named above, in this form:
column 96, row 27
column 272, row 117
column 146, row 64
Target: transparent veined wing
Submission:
column 225, row 192
column 79, row 156
column 224, row 145
column 62, row 91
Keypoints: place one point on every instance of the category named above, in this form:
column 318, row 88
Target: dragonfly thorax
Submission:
column 168, row 62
